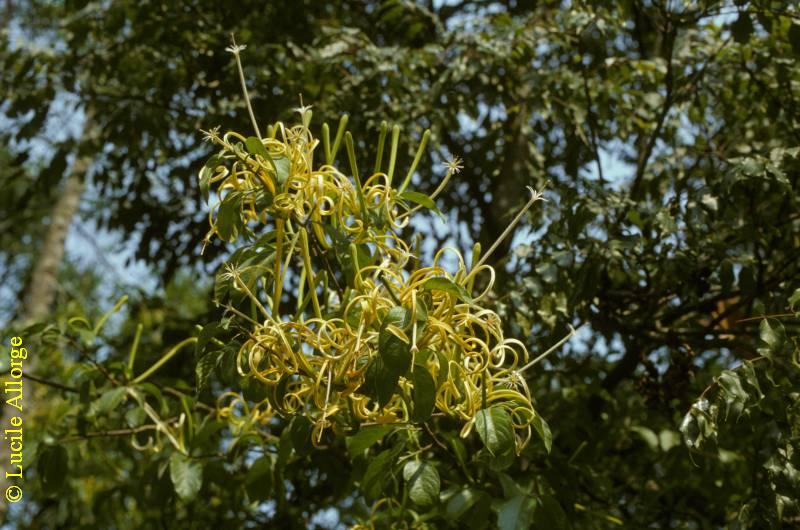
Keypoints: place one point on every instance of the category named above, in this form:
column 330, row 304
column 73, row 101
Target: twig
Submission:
column 53, row 384
column 235, row 50
column 550, row 350
column 111, row 433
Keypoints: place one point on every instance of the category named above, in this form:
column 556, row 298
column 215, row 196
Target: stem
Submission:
column 432, row 196
column 327, row 400
column 167, row 356
column 417, row 158
column 104, row 318
column 338, row 141
column 476, row 254
column 390, row 291
column 381, row 142
column 356, row 266
column 550, row 350
column 393, row 155
column 103, row 434
column 276, row 296
column 47, row 382
column 778, row 315
column 326, row 143
column 535, row 196
column 254, row 302
column 134, row 347
column 235, row 50
column 309, row 272
column 351, row 154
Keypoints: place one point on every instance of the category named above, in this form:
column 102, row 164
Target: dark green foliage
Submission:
column 668, row 134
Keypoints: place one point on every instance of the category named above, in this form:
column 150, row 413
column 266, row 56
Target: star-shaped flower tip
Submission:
column 302, row 109
column 454, row 165
column 235, row 48
column 211, row 135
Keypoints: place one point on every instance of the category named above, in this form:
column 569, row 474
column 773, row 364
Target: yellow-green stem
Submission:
column 276, row 296
column 309, row 272
column 476, row 254
column 417, row 157
column 381, row 141
column 134, row 347
column 326, row 143
column 167, row 356
column 339, row 135
column 535, row 196
column 393, row 154
column 104, row 318
column 351, row 155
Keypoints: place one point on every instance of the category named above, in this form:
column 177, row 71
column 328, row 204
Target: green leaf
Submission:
column 53, row 468
column 135, row 417
column 108, row 401
column 458, row 449
column 394, row 351
column 284, row 449
column 549, row 515
column 205, row 366
column 379, row 381
column 543, row 429
column 772, row 336
column 229, row 217
column 423, row 394
column 377, row 474
column 300, row 430
column 495, row 429
column 366, row 438
column 226, row 366
column 448, row 286
column 255, row 147
column 186, row 475
column 732, row 392
column 499, row 461
column 207, row 173
column 156, row 393
column 516, row 513
column 258, row 481
column 461, row 502
column 423, row 356
column 283, row 166
column 205, row 336
column 422, row 481
column 397, row 316
column 421, row 199
column 205, row 434
column 205, row 181
column 254, row 390
column 751, row 377
column 794, row 300
column 393, row 360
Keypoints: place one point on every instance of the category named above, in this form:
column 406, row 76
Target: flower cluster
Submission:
column 375, row 337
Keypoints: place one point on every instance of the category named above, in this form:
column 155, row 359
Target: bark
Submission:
column 44, row 279
column 37, row 302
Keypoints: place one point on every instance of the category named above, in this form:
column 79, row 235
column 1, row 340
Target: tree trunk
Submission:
column 38, row 299
column 44, row 279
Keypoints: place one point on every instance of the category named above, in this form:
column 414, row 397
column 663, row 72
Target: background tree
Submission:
column 667, row 134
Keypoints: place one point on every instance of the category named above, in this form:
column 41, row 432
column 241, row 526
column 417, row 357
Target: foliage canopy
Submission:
column 669, row 135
